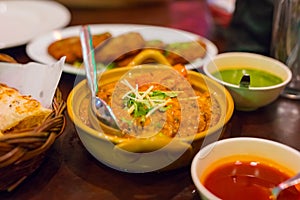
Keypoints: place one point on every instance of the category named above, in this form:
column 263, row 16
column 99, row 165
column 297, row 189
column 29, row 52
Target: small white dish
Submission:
column 252, row 98
column 281, row 154
column 22, row 21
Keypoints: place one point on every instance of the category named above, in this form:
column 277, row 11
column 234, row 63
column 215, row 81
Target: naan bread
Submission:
column 18, row 111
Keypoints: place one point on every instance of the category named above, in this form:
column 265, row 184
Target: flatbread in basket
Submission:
column 18, row 111
column 27, row 131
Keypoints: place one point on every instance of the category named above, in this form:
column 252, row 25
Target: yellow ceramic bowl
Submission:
column 139, row 155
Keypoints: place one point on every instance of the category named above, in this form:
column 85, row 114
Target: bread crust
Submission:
column 19, row 111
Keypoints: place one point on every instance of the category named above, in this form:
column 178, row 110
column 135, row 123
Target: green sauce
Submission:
column 258, row 78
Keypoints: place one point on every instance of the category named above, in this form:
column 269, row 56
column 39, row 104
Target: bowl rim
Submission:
column 101, row 135
column 249, row 55
column 193, row 169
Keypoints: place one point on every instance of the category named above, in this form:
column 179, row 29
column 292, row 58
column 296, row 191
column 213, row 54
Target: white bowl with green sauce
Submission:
column 268, row 77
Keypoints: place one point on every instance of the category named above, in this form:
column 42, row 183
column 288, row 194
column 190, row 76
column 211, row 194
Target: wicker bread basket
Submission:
column 22, row 151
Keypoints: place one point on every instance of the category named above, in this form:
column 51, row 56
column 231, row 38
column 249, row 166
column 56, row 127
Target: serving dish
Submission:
column 145, row 154
column 22, row 21
column 244, row 149
column 23, row 151
column 30, row 122
column 251, row 97
column 37, row 48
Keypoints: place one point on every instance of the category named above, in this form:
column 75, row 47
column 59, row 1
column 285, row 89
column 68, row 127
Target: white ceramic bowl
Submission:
column 282, row 154
column 251, row 98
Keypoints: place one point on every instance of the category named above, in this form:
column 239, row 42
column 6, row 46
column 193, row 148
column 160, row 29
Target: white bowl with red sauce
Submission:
column 244, row 168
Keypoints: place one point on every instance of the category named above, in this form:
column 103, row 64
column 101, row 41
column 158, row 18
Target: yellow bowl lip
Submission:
column 100, row 135
column 252, row 56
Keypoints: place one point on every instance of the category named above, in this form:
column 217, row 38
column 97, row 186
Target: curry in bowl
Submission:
column 151, row 102
column 163, row 116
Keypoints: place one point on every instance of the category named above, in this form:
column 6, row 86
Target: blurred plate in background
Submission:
column 21, row 21
column 38, row 49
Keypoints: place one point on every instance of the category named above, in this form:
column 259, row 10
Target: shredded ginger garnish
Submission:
column 145, row 103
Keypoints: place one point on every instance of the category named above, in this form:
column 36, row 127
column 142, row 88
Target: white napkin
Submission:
column 38, row 80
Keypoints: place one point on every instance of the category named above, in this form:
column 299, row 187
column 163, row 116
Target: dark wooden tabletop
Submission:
column 70, row 172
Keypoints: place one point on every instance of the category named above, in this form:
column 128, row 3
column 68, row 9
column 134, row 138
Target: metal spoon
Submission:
column 245, row 81
column 100, row 108
column 286, row 184
column 271, row 189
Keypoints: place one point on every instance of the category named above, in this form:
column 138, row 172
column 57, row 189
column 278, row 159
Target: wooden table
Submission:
column 70, row 172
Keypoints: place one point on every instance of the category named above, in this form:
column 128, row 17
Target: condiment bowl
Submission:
column 252, row 97
column 145, row 154
column 237, row 150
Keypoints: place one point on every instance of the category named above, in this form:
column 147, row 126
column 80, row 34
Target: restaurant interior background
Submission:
column 70, row 172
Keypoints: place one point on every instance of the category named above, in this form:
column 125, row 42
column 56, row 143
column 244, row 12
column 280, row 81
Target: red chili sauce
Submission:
column 247, row 180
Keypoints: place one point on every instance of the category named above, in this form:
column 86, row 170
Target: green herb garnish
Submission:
column 141, row 104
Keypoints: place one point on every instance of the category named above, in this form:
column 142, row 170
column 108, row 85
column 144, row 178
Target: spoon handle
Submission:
column 245, row 81
column 89, row 58
column 288, row 183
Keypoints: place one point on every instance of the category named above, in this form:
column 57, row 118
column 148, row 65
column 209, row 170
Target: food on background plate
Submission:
column 117, row 48
column 118, row 51
column 184, row 52
column 155, row 44
column 18, row 111
column 7, row 58
column 71, row 47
